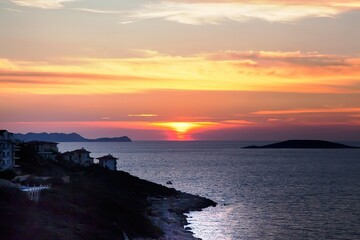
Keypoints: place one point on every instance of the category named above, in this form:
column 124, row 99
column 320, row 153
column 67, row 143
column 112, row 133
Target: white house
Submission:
column 78, row 157
column 7, row 150
column 108, row 161
column 46, row 150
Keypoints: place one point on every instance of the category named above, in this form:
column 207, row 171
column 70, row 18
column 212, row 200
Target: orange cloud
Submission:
column 302, row 111
column 229, row 70
column 143, row 115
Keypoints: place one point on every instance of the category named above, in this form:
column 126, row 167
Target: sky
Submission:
column 181, row 69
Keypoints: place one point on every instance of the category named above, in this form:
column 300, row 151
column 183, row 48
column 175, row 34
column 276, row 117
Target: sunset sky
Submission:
column 181, row 69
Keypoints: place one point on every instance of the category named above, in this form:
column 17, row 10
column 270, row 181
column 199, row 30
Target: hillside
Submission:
column 96, row 204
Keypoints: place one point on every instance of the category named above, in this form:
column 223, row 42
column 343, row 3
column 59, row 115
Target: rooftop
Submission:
column 107, row 157
column 41, row 143
column 2, row 131
column 81, row 150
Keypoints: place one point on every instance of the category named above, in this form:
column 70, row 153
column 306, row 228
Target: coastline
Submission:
column 98, row 204
column 169, row 214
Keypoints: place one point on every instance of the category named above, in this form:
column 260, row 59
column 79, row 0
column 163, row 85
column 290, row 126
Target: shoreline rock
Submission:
column 169, row 214
column 97, row 204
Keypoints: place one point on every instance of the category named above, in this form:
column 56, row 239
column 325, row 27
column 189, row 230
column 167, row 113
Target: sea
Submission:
column 261, row 193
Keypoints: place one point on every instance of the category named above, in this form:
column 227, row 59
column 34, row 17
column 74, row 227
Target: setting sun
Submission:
column 182, row 129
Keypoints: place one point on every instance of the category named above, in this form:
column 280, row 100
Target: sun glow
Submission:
column 182, row 129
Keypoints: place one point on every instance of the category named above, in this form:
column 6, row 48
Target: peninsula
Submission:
column 65, row 137
column 303, row 144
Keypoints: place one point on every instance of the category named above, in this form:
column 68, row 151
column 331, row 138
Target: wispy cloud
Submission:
column 55, row 75
column 93, row 10
column 215, row 12
column 13, row 10
column 295, row 57
column 331, row 3
column 143, row 115
column 200, row 12
column 45, row 4
column 237, row 122
column 305, row 111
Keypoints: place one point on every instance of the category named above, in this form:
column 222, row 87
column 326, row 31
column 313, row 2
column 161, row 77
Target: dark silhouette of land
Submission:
column 65, row 137
column 303, row 144
column 96, row 203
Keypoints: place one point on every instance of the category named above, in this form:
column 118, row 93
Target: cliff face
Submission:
column 303, row 144
column 96, row 204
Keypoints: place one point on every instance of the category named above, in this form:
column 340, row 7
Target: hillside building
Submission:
column 45, row 150
column 108, row 161
column 78, row 157
column 7, row 150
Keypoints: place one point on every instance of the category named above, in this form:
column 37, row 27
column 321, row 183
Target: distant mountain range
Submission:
column 65, row 137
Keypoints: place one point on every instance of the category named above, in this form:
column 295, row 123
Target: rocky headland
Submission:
column 95, row 204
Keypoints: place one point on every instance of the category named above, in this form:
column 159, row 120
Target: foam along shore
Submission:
column 168, row 214
column 96, row 204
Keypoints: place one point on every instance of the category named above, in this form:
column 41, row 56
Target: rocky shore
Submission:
column 168, row 214
column 96, row 204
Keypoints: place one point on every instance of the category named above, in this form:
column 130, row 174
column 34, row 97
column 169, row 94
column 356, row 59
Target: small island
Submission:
column 303, row 144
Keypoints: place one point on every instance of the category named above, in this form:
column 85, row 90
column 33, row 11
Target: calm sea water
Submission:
column 262, row 193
